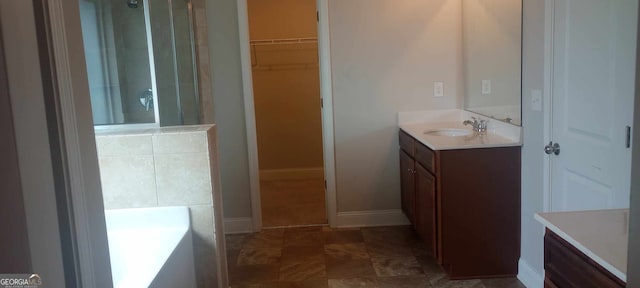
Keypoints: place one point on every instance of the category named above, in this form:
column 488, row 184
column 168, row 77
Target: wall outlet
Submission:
column 438, row 89
column 486, row 87
column 536, row 100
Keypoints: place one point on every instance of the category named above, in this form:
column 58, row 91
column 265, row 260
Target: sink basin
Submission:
column 451, row 132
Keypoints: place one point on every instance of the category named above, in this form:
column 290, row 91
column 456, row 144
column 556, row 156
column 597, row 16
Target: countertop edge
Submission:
column 606, row 265
column 458, row 147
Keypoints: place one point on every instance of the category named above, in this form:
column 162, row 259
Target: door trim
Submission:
column 249, row 115
column 326, row 92
column 78, row 148
column 79, row 182
column 327, row 112
column 549, row 26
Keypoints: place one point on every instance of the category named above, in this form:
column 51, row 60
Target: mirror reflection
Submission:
column 492, row 45
column 140, row 61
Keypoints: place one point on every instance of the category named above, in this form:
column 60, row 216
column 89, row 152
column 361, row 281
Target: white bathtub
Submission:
column 150, row 247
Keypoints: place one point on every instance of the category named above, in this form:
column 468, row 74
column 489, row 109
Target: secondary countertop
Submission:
column 602, row 235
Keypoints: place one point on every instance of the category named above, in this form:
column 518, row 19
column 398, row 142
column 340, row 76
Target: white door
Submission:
column 594, row 52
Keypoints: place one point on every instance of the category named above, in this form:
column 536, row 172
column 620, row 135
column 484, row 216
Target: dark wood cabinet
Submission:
column 567, row 267
column 408, row 185
column 426, row 214
column 465, row 206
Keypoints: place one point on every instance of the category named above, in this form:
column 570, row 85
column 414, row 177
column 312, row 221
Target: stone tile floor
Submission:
column 323, row 257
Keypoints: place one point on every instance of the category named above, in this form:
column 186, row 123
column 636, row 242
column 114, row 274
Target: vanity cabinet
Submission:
column 425, row 200
column 418, row 188
column 465, row 206
column 565, row 266
column 408, row 185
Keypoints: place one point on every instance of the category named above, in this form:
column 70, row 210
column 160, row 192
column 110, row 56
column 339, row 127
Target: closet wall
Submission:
column 286, row 83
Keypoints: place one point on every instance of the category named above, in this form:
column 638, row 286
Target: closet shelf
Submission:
column 283, row 41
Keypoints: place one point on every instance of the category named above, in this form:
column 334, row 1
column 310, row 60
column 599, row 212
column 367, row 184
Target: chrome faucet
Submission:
column 146, row 99
column 478, row 125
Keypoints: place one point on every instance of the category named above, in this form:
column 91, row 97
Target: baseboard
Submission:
column 292, row 174
column 371, row 218
column 528, row 276
column 238, row 225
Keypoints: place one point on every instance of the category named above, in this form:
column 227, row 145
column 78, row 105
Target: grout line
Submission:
column 155, row 172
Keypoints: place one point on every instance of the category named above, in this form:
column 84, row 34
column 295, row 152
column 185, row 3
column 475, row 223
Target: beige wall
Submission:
column 385, row 57
column 383, row 61
column 286, row 84
column 226, row 75
column 532, row 137
column 174, row 166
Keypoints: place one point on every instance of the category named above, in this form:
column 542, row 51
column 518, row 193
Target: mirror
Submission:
column 492, row 58
column 141, row 62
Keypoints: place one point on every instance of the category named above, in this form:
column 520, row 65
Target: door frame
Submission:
column 326, row 94
column 67, row 199
column 547, row 99
column 78, row 149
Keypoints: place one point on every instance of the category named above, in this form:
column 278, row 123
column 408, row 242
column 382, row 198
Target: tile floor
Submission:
column 324, row 257
column 293, row 202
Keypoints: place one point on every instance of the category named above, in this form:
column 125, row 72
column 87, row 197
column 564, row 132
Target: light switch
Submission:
column 536, row 100
column 486, row 87
column 438, row 89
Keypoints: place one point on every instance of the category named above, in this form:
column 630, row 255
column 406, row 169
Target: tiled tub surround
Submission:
column 499, row 134
column 169, row 166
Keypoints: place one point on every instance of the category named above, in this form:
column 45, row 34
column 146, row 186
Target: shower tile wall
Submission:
column 173, row 166
column 202, row 56
column 185, row 60
column 133, row 61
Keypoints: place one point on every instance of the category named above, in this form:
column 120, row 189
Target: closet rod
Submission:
column 283, row 41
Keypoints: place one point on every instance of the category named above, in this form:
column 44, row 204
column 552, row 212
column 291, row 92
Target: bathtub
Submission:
column 150, row 247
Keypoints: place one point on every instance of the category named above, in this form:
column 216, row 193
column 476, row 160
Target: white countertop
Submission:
column 602, row 235
column 474, row 140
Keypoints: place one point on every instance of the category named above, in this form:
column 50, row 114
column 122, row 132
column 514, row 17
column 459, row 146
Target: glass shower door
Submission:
column 141, row 62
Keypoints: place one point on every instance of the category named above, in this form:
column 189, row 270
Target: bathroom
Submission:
column 382, row 58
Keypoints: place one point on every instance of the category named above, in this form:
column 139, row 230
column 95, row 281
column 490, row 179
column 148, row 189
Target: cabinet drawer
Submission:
column 425, row 157
column 407, row 143
column 565, row 266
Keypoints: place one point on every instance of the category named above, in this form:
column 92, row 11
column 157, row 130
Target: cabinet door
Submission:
column 408, row 185
column 426, row 208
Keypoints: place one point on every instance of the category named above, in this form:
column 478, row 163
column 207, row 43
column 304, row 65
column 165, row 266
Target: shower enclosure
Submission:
column 140, row 61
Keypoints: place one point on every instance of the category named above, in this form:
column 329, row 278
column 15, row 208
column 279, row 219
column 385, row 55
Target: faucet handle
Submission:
column 482, row 125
